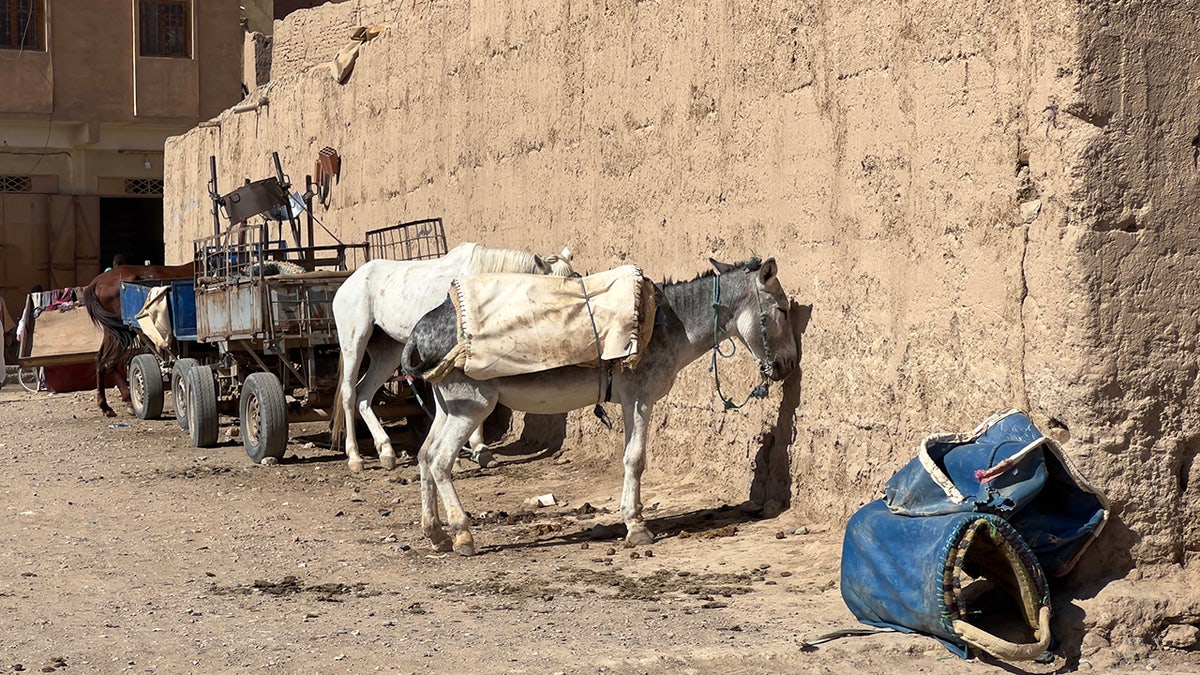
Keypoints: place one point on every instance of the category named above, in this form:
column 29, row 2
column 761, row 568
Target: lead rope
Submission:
column 759, row 391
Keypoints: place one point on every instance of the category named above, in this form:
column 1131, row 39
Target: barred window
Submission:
column 144, row 186
column 165, row 28
column 21, row 24
column 16, row 184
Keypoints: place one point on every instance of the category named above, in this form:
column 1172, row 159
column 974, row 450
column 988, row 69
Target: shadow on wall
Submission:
column 771, row 486
column 1105, row 560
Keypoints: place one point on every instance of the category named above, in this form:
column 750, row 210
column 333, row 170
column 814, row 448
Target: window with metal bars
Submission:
column 21, row 24
column 143, row 186
column 165, row 28
column 16, row 184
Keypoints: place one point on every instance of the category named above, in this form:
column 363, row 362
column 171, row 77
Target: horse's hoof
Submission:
column 443, row 545
column 109, row 412
column 485, row 459
column 355, row 465
column 464, row 544
column 387, row 461
column 639, row 535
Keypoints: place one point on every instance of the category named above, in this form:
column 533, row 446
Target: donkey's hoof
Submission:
column 640, row 535
column 387, row 461
column 485, row 459
column 464, row 544
column 355, row 465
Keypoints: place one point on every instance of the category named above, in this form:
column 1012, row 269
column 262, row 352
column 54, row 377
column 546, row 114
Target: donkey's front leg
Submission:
column 637, row 418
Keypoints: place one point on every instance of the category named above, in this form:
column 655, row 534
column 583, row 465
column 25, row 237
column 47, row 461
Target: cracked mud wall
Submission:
column 985, row 206
column 1113, row 359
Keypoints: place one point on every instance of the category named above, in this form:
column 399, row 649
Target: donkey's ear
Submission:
column 541, row 264
column 720, row 267
column 566, row 254
column 768, row 271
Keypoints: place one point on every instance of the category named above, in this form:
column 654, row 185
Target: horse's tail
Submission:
column 337, row 419
column 108, row 321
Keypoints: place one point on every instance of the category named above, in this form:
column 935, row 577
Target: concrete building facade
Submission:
column 92, row 90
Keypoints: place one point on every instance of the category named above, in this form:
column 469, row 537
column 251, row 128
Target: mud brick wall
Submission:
column 985, row 205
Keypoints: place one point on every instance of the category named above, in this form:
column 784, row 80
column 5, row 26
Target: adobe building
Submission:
column 983, row 206
column 92, row 88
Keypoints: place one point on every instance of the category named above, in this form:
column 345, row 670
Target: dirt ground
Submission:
column 128, row 550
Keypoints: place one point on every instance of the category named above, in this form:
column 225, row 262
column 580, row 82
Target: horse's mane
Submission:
column 753, row 264
column 486, row 260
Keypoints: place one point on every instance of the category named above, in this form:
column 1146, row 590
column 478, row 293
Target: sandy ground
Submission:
column 128, row 550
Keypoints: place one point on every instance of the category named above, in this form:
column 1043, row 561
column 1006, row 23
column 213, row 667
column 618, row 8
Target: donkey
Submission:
column 744, row 301
column 375, row 309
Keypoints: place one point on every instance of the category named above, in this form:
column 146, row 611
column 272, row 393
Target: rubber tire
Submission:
column 203, row 422
column 145, row 387
column 178, row 387
column 264, row 420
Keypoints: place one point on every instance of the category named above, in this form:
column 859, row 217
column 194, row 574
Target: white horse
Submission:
column 375, row 310
column 745, row 301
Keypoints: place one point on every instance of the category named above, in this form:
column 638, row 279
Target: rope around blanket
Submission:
column 599, row 411
column 759, row 391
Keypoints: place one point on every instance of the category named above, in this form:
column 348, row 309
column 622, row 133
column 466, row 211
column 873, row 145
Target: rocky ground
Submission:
column 128, row 550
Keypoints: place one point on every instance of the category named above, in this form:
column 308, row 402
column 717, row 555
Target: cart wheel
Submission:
column 179, row 390
column 146, row 387
column 264, row 417
column 201, row 407
column 31, row 379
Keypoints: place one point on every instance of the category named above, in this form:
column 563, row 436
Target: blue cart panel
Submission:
column 182, row 298
column 183, row 309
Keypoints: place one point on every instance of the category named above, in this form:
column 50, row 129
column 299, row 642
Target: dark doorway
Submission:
column 133, row 227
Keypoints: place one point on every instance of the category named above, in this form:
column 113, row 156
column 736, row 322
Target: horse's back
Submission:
column 393, row 294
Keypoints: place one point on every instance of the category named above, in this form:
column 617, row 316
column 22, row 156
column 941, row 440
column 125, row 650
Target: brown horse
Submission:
column 102, row 298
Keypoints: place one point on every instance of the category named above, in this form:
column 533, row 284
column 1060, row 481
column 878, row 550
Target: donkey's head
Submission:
column 760, row 313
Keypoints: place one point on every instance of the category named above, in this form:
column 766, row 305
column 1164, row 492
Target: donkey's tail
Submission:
column 407, row 367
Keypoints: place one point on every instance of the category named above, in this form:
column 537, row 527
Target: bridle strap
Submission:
column 759, row 391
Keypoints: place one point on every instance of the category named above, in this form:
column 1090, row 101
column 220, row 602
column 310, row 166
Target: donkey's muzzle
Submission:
column 777, row 369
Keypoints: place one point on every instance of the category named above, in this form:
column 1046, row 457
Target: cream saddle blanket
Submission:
column 515, row 324
column 155, row 317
